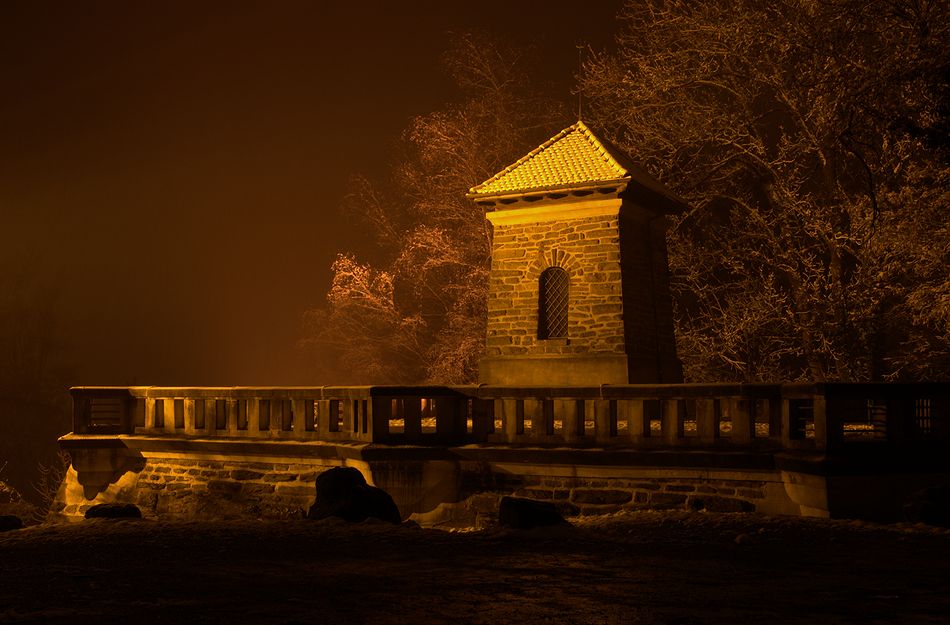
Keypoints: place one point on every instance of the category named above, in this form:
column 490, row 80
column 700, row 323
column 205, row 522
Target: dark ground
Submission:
column 639, row 568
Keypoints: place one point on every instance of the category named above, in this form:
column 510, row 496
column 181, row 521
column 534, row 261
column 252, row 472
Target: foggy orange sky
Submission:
column 175, row 169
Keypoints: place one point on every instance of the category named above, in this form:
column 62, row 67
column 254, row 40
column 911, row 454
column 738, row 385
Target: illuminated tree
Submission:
column 420, row 314
column 810, row 140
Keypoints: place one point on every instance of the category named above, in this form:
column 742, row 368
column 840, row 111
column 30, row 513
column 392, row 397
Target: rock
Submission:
column 114, row 511
column 930, row 506
column 743, row 539
column 518, row 513
column 343, row 492
column 10, row 522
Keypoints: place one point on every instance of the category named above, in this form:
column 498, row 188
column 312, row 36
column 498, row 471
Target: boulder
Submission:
column 342, row 492
column 518, row 513
column 114, row 511
column 930, row 506
column 10, row 522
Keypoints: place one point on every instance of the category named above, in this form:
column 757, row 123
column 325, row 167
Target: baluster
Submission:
column 707, row 426
column 602, row 425
column 672, row 423
column 743, row 423
column 189, row 409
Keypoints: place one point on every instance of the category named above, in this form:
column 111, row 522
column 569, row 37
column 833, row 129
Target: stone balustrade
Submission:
column 729, row 416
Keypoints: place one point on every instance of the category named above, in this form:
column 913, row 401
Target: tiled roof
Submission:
column 572, row 157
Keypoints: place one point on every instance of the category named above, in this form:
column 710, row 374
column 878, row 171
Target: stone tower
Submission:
column 579, row 285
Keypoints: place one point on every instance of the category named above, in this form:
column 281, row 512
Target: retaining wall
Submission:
column 453, row 487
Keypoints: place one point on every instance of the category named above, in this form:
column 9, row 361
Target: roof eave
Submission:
column 620, row 183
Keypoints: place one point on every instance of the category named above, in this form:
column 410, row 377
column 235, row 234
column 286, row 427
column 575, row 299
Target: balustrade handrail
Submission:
column 819, row 416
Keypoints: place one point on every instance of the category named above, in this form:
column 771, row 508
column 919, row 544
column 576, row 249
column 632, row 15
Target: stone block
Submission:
column 258, row 466
column 750, row 493
column 280, row 477
column 680, row 488
column 600, row 497
column 257, row 489
column 223, row 487
column 293, row 490
column 246, row 474
column 667, row 499
column 596, row 510
column 535, row 493
column 720, row 504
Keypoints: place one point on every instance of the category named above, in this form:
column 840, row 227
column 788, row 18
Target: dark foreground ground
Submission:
column 641, row 568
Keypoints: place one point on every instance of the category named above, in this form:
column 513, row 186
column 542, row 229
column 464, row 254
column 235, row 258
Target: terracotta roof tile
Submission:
column 573, row 157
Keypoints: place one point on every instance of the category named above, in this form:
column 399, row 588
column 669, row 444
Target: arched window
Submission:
column 552, row 303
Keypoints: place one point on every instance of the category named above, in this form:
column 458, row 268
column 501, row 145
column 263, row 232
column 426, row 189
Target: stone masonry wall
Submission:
column 648, row 314
column 202, row 489
column 589, row 250
column 584, row 496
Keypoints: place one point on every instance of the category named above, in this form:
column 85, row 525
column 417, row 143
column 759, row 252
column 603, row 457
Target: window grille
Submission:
column 923, row 416
column 552, row 304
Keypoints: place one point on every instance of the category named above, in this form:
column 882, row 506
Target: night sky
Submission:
column 174, row 170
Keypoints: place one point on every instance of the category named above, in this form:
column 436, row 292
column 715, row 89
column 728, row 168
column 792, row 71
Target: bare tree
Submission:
column 810, row 139
column 420, row 315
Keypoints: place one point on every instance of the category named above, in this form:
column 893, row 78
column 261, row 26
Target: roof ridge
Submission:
column 563, row 133
column 605, row 148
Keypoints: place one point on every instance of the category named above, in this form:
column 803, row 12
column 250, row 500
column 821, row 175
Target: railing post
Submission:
column 775, row 418
column 351, row 417
column 569, row 418
column 786, row 416
column 138, row 414
column 631, row 410
column 379, row 424
column 413, row 417
column 602, row 420
column 232, row 417
column 322, row 406
column 190, row 416
column 823, row 435
column 510, row 419
column 149, row 414
column 483, row 417
column 449, row 418
column 210, row 415
column 707, row 428
column 253, row 416
column 168, row 405
column 299, row 411
column 743, row 425
column 534, row 414
column 672, row 423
